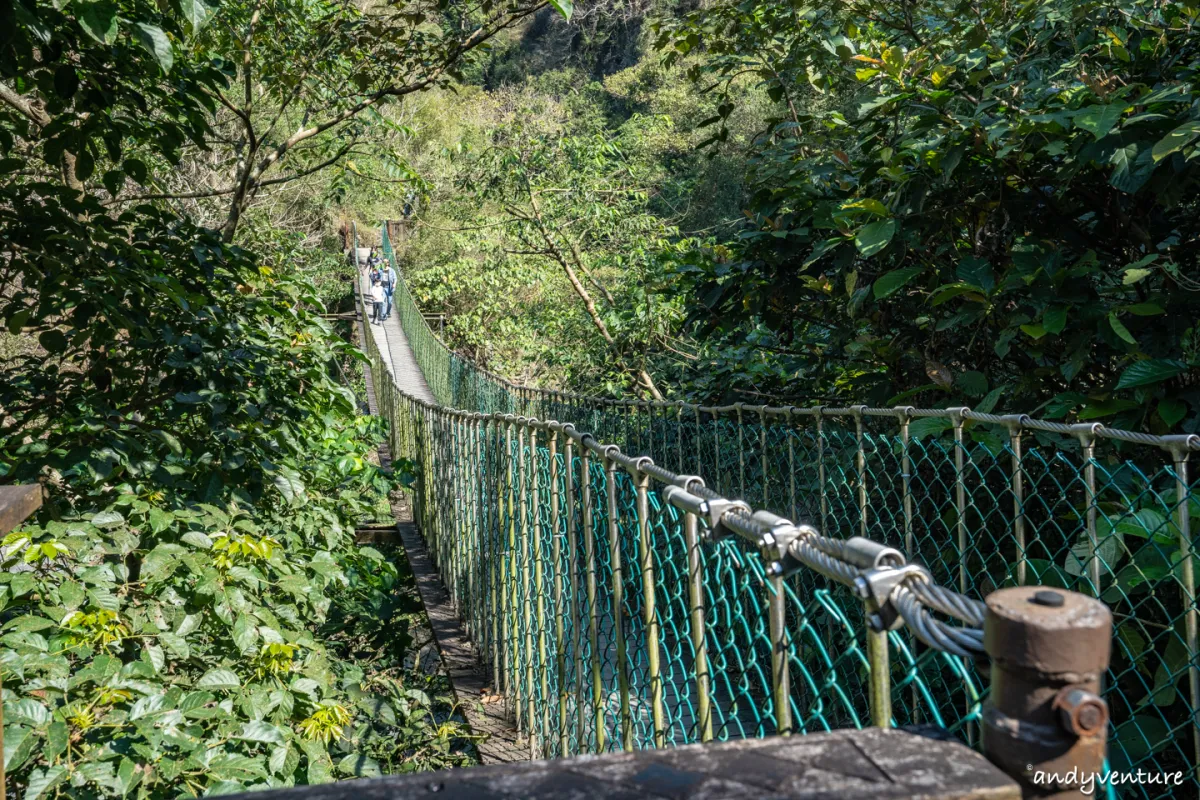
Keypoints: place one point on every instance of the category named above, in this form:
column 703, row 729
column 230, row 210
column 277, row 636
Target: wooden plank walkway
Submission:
column 468, row 675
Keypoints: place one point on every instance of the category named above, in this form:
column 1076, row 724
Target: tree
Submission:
column 238, row 92
column 311, row 80
column 968, row 206
column 577, row 202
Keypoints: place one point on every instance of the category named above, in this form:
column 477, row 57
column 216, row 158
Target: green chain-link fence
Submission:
column 588, row 607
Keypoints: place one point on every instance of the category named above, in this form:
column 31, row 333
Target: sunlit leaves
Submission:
column 1176, row 140
column 1098, row 120
column 564, row 7
column 156, row 43
column 196, row 13
column 875, row 236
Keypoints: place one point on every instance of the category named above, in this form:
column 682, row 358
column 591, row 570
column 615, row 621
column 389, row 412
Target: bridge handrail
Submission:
column 897, row 592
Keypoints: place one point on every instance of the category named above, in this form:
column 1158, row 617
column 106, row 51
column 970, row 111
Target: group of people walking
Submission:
column 383, row 286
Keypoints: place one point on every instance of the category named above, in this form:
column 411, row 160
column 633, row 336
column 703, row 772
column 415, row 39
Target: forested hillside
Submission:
column 935, row 204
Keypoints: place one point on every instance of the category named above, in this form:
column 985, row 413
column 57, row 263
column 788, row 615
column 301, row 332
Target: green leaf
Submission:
column 973, row 383
column 108, row 519
column 17, row 321
column 1054, row 319
column 944, row 294
column 1171, row 411
column 290, row 486
column 198, row 539
column 1176, row 140
column 1150, row 370
column 244, row 633
column 1145, row 309
column 928, row 427
column 1132, row 276
column 1106, row 408
column 874, row 237
column 41, row 782
column 941, row 73
column 147, row 706
column 175, row 644
column 99, row 20
column 156, row 43
column 196, row 13
column 279, row 758
column 564, row 7
column 1034, row 331
column 1138, row 738
column 1119, row 328
column 360, row 765
column 1099, row 119
column 891, row 282
column 869, row 205
column 977, row 272
column 219, row 679
column 1132, row 167
column 258, row 731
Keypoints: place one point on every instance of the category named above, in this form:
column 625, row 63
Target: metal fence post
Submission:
column 881, row 676
column 573, row 565
column 1049, row 650
column 526, row 544
column 557, row 576
column 618, row 598
column 508, row 589
column 741, row 452
column 1180, row 454
column 860, row 459
column 649, row 609
column 1014, row 423
column 589, row 547
column 700, row 668
column 780, row 678
column 1086, row 433
column 821, row 467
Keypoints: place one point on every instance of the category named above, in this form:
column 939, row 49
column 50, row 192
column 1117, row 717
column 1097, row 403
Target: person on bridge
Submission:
column 378, row 297
column 387, row 276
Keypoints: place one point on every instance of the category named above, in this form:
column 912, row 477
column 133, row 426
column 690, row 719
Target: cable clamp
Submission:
column 715, row 511
column 875, row 587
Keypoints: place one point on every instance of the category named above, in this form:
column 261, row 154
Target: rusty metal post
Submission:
column 1045, row 723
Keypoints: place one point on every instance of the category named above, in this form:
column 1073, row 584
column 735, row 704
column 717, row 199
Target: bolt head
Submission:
column 1048, row 598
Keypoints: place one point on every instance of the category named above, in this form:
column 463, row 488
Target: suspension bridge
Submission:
column 643, row 574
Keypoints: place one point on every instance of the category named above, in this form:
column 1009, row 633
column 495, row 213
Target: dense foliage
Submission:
column 934, row 204
column 189, row 613
column 967, row 202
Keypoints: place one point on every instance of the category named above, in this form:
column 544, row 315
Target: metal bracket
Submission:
column 715, row 510
column 786, row 563
column 875, row 587
column 773, row 544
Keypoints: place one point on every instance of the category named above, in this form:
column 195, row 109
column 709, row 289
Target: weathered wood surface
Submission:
column 870, row 764
column 17, row 504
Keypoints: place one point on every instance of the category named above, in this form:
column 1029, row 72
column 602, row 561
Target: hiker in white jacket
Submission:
column 378, row 298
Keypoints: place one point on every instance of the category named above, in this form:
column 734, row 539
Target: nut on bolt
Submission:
column 1083, row 713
